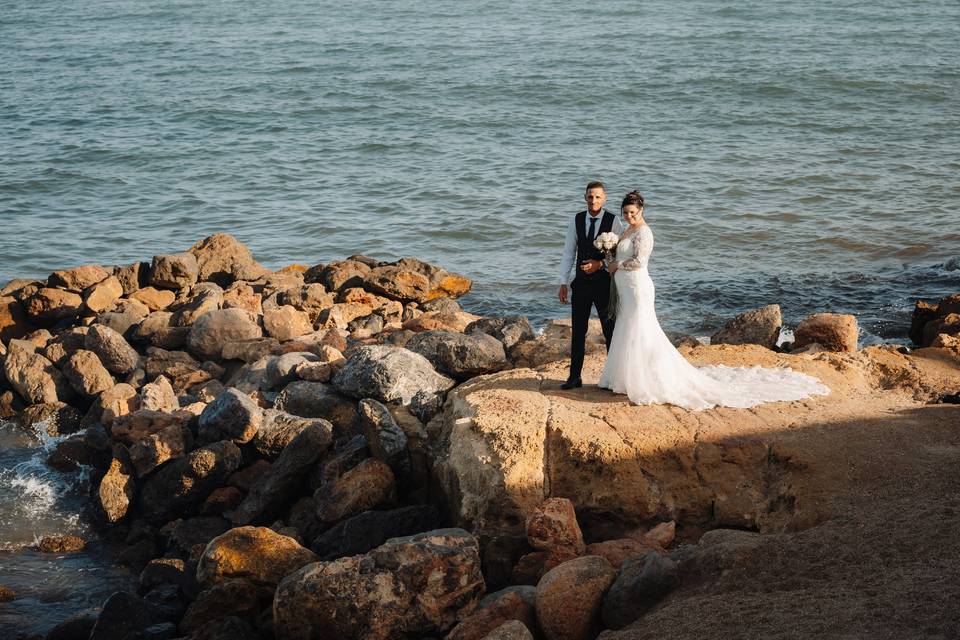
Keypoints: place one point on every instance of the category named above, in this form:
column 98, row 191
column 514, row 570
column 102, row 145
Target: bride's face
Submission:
column 632, row 214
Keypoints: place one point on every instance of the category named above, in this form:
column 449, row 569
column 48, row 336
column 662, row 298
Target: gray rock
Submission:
column 217, row 328
column 132, row 276
column 174, row 270
column 278, row 429
column 319, row 400
column 370, row 529
column 282, row 370
column 114, row 352
column 186, row 482
column 458, row 355
column 251, row 377
column 124, row 317
column 510, row 630
column 232, row 416
column 387, row 441
column 123, row 616
column 275, row 489
column 759, row 326
column 368, row 485
column 251, row 350
column 388, row 374
column 510, row 331
column 639, row 585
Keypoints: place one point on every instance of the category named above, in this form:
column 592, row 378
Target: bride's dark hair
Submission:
column 633, row 197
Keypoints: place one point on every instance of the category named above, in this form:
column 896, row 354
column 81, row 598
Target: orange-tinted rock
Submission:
column 569, row 598
column 54, row 304
column 833, row 331
column 617, row 551
column 484, row 620
column 103, row 295
column 13, row 319
column 531, row 567
column 553, row 525
column 155, row 299
column 79, row 278
column 257, row 554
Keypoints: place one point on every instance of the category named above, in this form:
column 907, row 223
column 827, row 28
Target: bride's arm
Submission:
column 642, row 247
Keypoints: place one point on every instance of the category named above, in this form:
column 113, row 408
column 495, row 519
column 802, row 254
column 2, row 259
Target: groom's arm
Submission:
column 566, row 262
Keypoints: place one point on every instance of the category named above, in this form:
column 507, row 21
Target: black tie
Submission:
column 590, row 236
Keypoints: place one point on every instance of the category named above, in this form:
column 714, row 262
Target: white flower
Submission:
column 606, row 241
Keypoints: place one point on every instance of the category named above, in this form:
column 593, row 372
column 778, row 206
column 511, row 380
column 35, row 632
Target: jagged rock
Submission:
column 38, row 338
column 79, row 278
column 174, row 270
column 366, row 326
column 132, row 277
column 510, row 331
column 86, row 374
column 569, row 598
column 126, row 315
column 531, row 567
column 152, row 450
column 241, row 295
column 251, row 350
column 388, row 374
column 188, row 537
column 553, row 525
column 460, row 356
column 159, row 396
column 251, row 378
column 10, row 403
column 65, row 344
column 257, row 554
column 510, row 630
column 14, row 322
column 387, row 441
column 758, row 326
column 441, row 321
column 311, row 299
column 221, row 501
column 114, row 352
column 186, row 482
column 141, row 423
column 318, row 400
column 366, row 486
column 341, row 314
column 203, row 298
column 76, row 627
column 232, row 416
column 217, row 328
column 117, row 401
column 398, row 283
column 222, row 259
column 641, row 582
column 314, row 371
column 835, row 332
column 368, row 530
column 33, row 376
column 273, row 490
column 51, row 305
column 103, row 295
column 277, row 430
column 123, row 616
column 492, row 614
column 60, row 544
column 236, row 597
column 345, row 274
column 56, row 418
column 390, row 592
column 116, row 490
column 282, row 370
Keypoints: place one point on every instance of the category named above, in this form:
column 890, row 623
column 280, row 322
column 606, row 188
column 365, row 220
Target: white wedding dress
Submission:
column 644, row 365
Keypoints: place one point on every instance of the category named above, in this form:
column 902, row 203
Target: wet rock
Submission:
column 390, row 592
column 86, row 374
column 269, row 495
column 103, row 295
column 278, row 429
column 77, row 627
column 641, row 582
column 10, row 404
column 123, row 615
column 510, row 630
column 553, row 525
column 758, row 326
column 509, row 606
column 388, row 374
column 510, row 331
column 460, row 356
column 285, row 323
column 116, row 490
column 186, row 482
column 318, row 400
column 569, row 598
column 203, row 298
column 79, row 278
column 257, row 554
column 366, row 486
column 33, row 376
column 236, row 597
column 217, row 328
column 54, row 418
column 833, row 331
column 222, row 258
column 345, row 274
column 368, row 530
column 114, row 351
column 232, row 416
column 174, row 270
column 61, row 544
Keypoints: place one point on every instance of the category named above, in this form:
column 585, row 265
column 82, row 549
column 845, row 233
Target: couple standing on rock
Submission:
column 641, row 361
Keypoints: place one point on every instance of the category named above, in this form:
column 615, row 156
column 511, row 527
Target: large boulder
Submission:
column 257, row 554
column 389, row 374
column 641, row 582
column 114, row 351
column 460, row 356
column 232, row 416
column 393, row 591
column 236, row 597
column 33, row 376
column 185, row 482
column 344, row 274
column 832, row 331
column 221, row 258
column 758, row 326
column 569, row 598
column 86, row 374
column 174, row 270
column 398, row 283
column 217, row 328
column 276, row 487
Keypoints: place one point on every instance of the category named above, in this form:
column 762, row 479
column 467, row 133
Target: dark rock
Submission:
column 187, row 537
column 137, row 555
column 639, row 585
column 458, row 355
column 122, row 616
column 174, row 271
column 343, row 275
column 366, row 486
column 77, row 627
column 757, row 326
column 56, row 418
column 319, row 400
column 61, row 544
column 114, row 352
column 232, row 416
column 510, row 331
column 236, row 597
column 162, row 571
column 278, row 429
column 370, row 529
column 230, row 628
column 387, row 441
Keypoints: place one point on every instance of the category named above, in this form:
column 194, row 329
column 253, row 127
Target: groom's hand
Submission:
column 591, row 266
column 563, row 294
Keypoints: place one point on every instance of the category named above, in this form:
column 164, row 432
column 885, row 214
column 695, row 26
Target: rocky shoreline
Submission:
column 341, row 450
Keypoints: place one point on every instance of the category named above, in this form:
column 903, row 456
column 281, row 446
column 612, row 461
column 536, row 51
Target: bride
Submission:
column 645, row 366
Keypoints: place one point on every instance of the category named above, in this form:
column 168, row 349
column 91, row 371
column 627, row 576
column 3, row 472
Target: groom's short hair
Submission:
column 595, row 184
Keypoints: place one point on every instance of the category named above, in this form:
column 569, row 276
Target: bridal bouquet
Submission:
column 607, row 242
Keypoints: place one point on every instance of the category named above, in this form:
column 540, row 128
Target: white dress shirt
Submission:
column 570, row 243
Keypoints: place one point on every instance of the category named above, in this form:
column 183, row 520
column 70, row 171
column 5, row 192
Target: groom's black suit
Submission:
column 588, row 290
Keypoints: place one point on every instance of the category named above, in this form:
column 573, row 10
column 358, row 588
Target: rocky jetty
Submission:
column 341, row 450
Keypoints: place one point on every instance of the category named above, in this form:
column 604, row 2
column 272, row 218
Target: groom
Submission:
column 591, row 284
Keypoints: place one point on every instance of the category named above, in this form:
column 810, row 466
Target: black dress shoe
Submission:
column 572, row 383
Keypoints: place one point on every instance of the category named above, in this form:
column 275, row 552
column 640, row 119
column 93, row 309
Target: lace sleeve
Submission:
column 642, row 248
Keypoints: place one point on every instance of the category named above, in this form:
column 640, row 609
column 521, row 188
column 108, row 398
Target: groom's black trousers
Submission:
column 588, row 291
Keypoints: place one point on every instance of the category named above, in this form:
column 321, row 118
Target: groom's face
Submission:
column 595, row 198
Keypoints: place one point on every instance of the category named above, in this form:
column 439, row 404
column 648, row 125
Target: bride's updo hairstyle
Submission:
column 633, row 197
